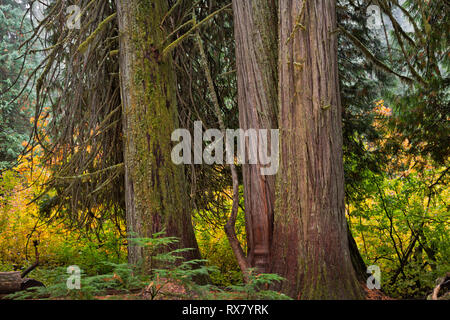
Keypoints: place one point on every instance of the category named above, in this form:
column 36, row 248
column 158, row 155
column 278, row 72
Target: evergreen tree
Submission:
column 14, row 68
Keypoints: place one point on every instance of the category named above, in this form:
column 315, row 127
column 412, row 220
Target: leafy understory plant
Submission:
column 257, row 287
column 122, row 279
column 169, row 274
column 169, row 267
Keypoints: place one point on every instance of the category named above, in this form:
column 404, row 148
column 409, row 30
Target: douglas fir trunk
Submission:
column 155, row 186
column 310, row 246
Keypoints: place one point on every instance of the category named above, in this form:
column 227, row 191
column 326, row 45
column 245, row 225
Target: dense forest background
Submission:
column 77, row 180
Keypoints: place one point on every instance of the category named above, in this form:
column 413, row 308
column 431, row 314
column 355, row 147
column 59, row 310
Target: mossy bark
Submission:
column 310, row 245
column 155, row 187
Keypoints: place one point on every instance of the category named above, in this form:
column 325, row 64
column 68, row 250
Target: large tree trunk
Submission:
column 310, row 246
column 155, row 186
column 256, row 59
column 256, row 25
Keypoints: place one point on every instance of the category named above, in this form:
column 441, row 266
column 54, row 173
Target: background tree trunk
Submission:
column 310, row 245
column 155, row 186
column 357, row 261
column 256, row 26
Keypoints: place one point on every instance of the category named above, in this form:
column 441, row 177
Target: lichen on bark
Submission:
column 156, row 197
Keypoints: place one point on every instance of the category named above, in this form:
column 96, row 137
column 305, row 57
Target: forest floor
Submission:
column 375, row 294
column 173, row 291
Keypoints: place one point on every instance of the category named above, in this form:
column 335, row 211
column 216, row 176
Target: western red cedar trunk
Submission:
column 155, row 186
column 310, row 246
column 256, row 60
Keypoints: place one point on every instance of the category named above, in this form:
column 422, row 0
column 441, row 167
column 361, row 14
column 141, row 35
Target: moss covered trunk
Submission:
column 310, row 245
column 155, row 186
column 256, row 59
